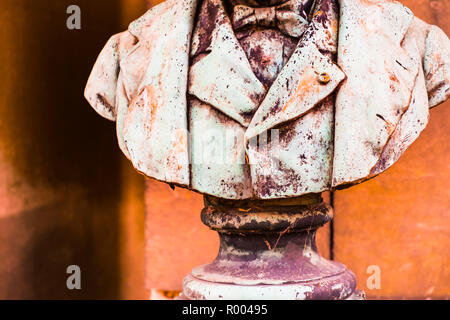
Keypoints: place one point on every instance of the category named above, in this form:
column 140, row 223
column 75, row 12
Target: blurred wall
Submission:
column 132, row 200
column 67, row 197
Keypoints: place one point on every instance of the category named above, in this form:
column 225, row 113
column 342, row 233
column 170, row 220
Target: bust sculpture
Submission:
column 262, row 105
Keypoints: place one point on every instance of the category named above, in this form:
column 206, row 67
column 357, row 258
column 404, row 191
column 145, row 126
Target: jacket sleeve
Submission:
column 436, row 64
column 101, row 87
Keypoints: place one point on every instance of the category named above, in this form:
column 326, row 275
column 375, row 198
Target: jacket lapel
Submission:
column 308, row 77
column 223, row 77
column 377, row 92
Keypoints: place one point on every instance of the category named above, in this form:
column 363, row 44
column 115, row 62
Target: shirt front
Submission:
column 268, row 48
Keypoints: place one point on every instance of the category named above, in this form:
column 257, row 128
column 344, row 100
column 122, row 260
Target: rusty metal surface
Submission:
column 268, row 251
column 382, row 91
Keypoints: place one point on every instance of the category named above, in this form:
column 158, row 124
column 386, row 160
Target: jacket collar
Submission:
column 223, row 77
column 308, row 77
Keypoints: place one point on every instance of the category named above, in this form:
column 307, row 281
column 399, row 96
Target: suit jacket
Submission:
column 391, row 68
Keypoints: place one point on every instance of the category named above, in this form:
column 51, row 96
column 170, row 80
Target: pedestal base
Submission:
column 268, row 251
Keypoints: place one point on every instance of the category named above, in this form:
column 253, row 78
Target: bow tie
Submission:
column 289, row 17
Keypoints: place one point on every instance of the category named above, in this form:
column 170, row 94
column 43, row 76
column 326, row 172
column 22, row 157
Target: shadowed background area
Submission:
column 68, row 195
column 62, row 187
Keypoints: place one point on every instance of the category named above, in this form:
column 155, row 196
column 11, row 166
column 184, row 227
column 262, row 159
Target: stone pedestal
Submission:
column 268, row 251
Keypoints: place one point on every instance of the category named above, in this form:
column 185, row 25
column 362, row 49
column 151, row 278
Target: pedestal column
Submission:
column 268, row 251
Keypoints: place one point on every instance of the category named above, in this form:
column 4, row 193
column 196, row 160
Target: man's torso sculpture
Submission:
column 246, row 100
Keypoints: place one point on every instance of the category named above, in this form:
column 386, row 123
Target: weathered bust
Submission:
column 262, row 100
column 187, row 89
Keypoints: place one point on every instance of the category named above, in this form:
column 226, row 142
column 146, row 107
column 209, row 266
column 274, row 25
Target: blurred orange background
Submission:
column 68, row 196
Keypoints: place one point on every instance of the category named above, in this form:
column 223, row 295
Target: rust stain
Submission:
column 393, row 77
column 267, row 244
column 170, row 294
column 304, row 87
